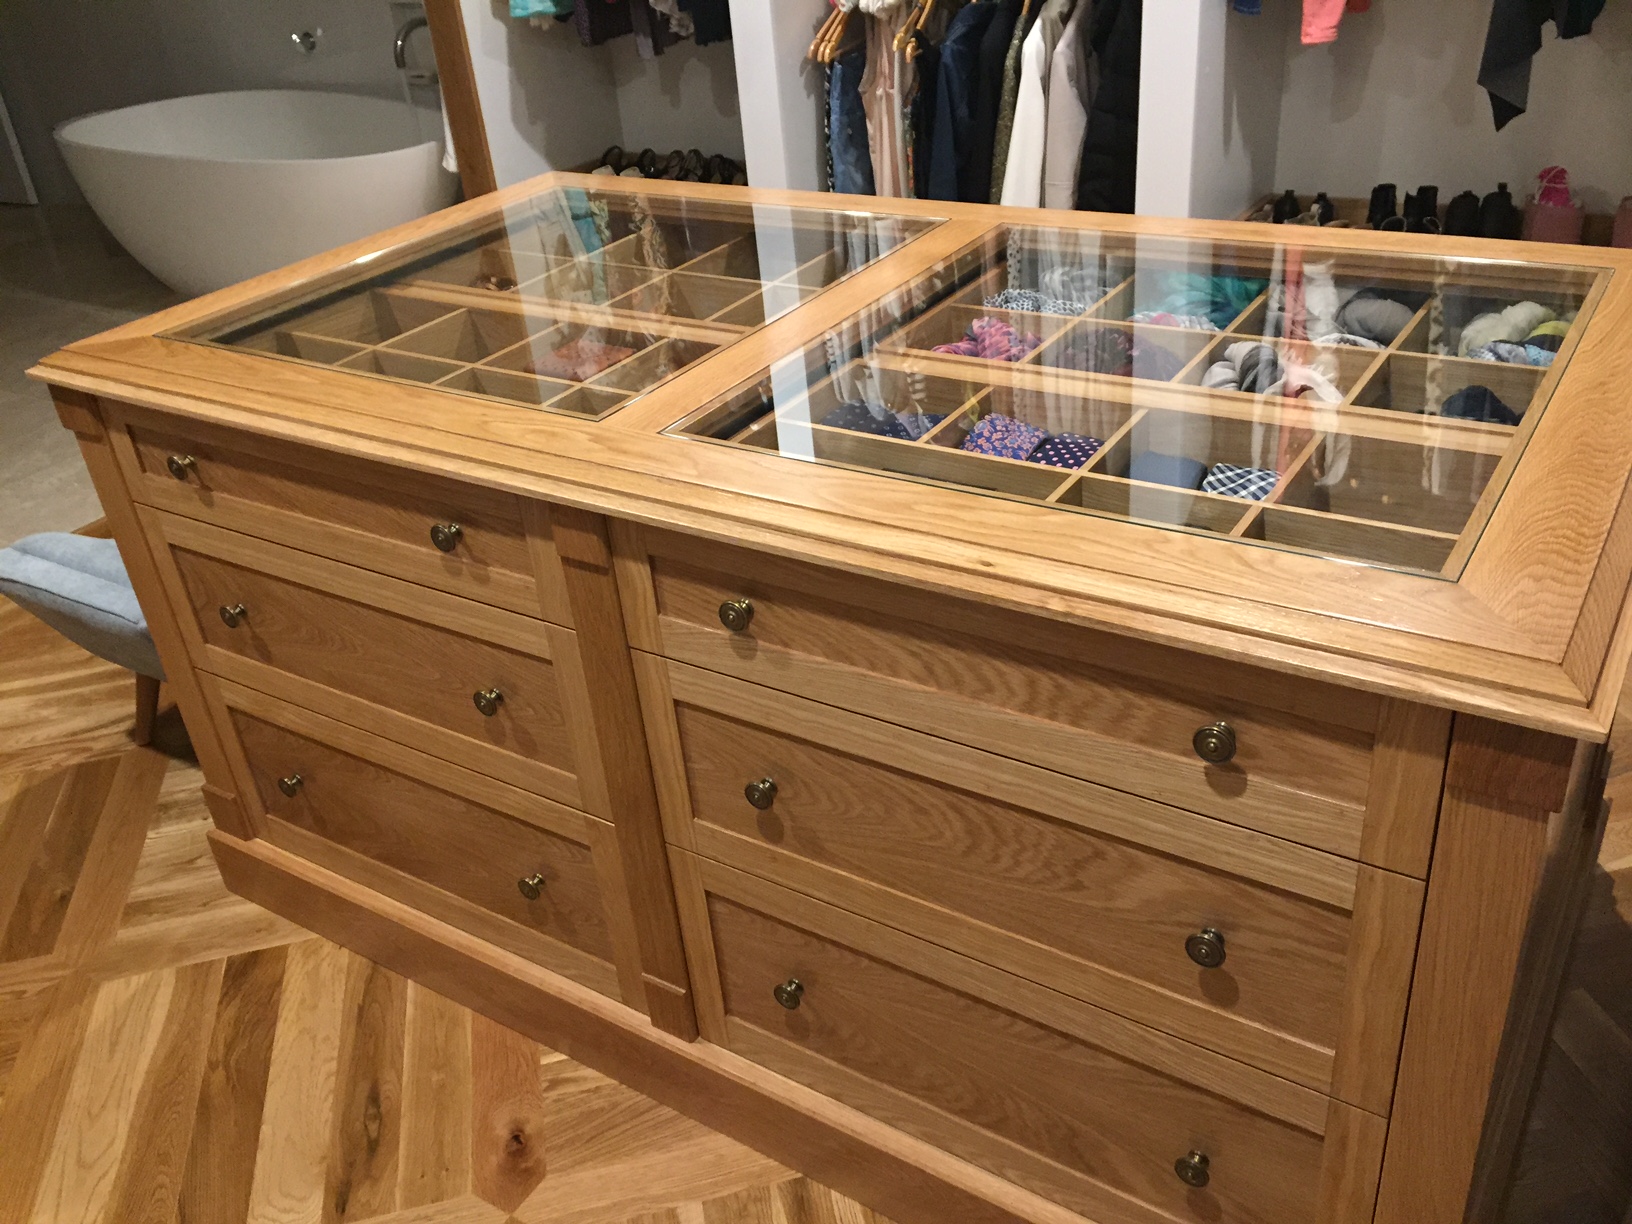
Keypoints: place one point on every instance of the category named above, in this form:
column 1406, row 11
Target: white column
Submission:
column 780, row 92
column 1209, row 106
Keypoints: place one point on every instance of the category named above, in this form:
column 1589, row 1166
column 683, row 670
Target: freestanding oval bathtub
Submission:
column 208, row 190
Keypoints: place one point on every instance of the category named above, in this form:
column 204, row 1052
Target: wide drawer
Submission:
column 1091, row 1111
column 464, row 681
column 531, row 889
column 480, row 543
column 1107, row 709
column 1292, row 959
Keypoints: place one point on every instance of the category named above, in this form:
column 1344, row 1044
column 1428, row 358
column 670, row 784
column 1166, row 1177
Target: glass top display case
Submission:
column 1360, row 405
column 576, row 301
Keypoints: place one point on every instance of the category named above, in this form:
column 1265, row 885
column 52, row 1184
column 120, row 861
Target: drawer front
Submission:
column 1104, row 1122
column 480, row 856
column 1068, row 699
column 1091, row 897
column 365, row 654
column 364, row 513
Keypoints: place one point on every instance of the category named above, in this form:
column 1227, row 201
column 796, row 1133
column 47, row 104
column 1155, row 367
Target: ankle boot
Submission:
column 1384, row 204
column 1462, row 215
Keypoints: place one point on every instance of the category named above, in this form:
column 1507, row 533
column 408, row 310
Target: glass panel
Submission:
column 1358, row 405
column 576, row 301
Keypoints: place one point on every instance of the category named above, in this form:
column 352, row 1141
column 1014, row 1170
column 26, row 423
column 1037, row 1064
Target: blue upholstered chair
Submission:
column 77, row 585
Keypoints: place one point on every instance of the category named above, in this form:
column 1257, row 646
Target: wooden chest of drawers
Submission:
column 695, row 682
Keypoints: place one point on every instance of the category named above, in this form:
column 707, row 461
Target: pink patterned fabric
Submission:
column 993, row 340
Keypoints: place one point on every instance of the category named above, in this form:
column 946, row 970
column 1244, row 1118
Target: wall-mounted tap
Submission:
column 306, row 40
column 399, row 49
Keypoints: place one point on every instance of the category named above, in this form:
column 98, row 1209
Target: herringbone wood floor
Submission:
column 171, row 1054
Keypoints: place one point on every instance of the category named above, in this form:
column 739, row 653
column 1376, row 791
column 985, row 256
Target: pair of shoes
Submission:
column 1495, row 216
column 1289, row 211
column 1421, row 214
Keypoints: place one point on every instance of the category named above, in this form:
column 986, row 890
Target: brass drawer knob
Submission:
column 1192, row 1169
column 761, row 794
column 446, row 536
column 1214, row 743
column 1206, row 947
column 181, row 466
column 233, row 615
column 789, row 993
column 488, row 701
column 736, row 615
column 291, row 785
column 532, row 887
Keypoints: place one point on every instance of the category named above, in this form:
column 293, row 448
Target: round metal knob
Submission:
column 446, row 536
column 789, row 993
column 1206, row 947
column 1214, row 743
column 233, row 615
column 761, row 794
column 532, row 887
column 488, row 701
column 736, row 615
column 291, row 785
column 181, row 466
column 1192, row 1169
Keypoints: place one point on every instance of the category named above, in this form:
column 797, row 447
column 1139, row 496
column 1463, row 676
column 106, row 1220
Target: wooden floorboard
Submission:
column 171, row 1053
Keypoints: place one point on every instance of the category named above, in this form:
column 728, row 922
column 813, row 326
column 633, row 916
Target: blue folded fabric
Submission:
column 524, row 9
column 1478, row 404
column 1066, row 450
column 1153, row 467
column 1231, row 480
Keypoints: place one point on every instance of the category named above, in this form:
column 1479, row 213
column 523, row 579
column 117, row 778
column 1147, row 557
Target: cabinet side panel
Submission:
column 1502, row 787
column 79, row 412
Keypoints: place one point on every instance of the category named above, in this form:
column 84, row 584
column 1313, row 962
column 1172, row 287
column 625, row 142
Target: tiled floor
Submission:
column 61, row 278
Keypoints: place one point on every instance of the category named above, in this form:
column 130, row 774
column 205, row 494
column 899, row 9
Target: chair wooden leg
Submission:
column 147, row 709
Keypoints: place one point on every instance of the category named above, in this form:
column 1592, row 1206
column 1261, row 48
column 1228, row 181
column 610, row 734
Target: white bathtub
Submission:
column 209, row 190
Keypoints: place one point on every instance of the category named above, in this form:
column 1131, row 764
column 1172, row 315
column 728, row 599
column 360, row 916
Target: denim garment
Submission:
column 955, row 97
column 847, row 125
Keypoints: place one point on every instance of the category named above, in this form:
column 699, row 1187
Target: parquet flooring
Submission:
column 172, row 1054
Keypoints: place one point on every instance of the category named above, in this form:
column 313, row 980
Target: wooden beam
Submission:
column 460, row 97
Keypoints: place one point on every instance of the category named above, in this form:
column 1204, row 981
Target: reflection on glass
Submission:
column 577, row 301
column 1352, row 404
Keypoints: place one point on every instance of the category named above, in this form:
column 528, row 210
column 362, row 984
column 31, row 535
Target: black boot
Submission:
column 1286, row 208
column 1384, row 204
column 1325, row 210
column 1498, row 217
column 1422, row 211
column 1462, row 215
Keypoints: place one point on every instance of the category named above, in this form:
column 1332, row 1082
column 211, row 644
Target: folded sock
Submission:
column 864, row 418
column 1004, row 437
column 1034, row 302
column 1230, row 480
column 1478, row 404
column 1154, row 467
column 993, row 340
column 1066, row 450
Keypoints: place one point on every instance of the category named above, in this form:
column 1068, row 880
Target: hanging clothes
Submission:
column 884, row 87
column 653, row 35
column 711, row 18
column 599, row 21
column 847, row 120
column 1512, row 40
column 1071, row 80
column 1023, row 175
column 1322, row 17
column 1010, row 96
column 975, row 184
column 1110, row 149
column 921, row 112
column 955, row 94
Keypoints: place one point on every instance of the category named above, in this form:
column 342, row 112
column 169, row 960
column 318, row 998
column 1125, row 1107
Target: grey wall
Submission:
column 64, row 58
